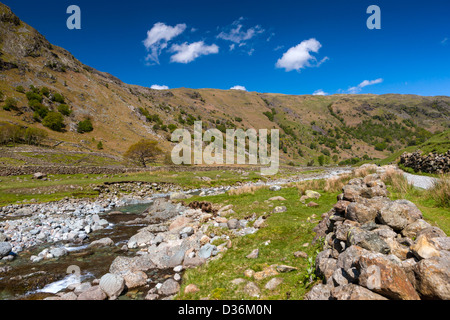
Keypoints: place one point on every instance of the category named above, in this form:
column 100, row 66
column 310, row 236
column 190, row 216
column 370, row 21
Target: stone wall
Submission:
column 431, row 163
column 378, row 249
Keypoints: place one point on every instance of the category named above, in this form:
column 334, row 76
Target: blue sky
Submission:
column 291, row 47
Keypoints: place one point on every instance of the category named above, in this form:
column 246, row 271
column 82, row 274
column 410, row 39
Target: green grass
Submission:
column 287, row 233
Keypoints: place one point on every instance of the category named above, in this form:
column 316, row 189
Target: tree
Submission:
column 143, row 151
column 54, row 121
column 321, row 160
column 35, row 135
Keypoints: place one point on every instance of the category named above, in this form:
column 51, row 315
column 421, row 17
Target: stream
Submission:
column 24, row 280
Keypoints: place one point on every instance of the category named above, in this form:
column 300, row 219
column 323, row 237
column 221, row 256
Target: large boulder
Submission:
column 399, row 214
column 382, row 275
column 140, row 240
column 433, row 278
column 112, row 285
column 169, row 287
column 354, row 292
column 5, row 248
column 361, row 213
column 123, row 265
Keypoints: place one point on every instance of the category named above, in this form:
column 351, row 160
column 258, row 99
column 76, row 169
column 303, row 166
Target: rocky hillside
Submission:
column 38, row 79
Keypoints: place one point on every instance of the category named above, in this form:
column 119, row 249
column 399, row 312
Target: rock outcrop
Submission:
column 376, row 249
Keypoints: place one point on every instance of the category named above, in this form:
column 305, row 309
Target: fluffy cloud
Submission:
column 299, row 57
column 158, row 87
column 186, row 53
column 365, row 83
column 320, row 92
column 236, row 33
column 158, row 38
column 240, row 88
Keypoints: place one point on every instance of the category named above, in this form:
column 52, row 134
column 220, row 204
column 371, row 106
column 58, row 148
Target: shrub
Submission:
column 64, row 110
column 85, row 126
column 58, row 98
column 20, row 89
column 172, row 127
column 34, row 96
column 2, row 96
column 54, row 121
column 45, row 91
column 10, row 103
column 100, row 146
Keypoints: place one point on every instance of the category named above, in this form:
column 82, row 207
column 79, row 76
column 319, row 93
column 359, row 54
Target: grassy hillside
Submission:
column 39, row 79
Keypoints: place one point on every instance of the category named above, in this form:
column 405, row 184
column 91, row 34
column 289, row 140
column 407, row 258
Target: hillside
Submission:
column 38, row 77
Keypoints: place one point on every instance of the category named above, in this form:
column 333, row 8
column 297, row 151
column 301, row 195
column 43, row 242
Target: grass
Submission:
column 287, row 233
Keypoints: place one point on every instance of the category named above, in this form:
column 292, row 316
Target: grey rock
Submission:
column 169, row 287
column 112, row 285
column 5, row 248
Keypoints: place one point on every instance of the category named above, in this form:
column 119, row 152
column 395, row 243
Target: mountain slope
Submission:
column 338, row 127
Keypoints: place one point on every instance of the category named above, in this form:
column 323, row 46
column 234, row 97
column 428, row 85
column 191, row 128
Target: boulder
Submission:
column 354, row 292
column 273, row 283
column 433, row 278
column 135, row 279
column 319, row 292
column 105, row 242
column 179, row 223
column 252, row 290
column 5, row 248
column 169, row 287
column 112, row 285
column 380, row 274
column 140, row 240
column 279, row 209
column 361, row 213
column 191, row 288
column 93, row 293
column 414, row 228
column 123, row 265
column 423, row 249
column 399, row 214
column 312, row 194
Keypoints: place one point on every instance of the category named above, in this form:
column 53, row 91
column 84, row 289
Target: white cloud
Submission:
column 158, row 87
column 240, row 88
column 320, row 92
column 232, row 46
column 444, row 42
column 186, row 53
column 299, row 57
column 365, row 83
column 158, row 38
column 236, row 33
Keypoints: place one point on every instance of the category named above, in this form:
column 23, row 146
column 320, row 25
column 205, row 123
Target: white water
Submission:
column 60, row 285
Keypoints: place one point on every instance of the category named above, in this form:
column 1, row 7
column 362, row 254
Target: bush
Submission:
column 2, row 96
column 34, row 96
column 172, row 127
column 64, row 110
column 440, row 192
column 85, row 126
column 20, row 89
column 45, row 91
column 54, row 121
column 100, row 146
column 10, row 103
column 58, row 98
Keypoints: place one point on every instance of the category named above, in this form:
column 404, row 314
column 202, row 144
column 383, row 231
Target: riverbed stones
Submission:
column 105, row 242
column 112, row 285
column 93, row 293
column 169, row 287
column 135, row 279
column 5, row 248
column 139, row 240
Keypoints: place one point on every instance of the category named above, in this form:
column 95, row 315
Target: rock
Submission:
column 279, row 209
column 381, row 275
column 341, row 207
column 5, row 248
column 430, row 233
column 123, row 265
column 169, row 287
column 39, row 176
column 312, row 205
column 151, row 296
column 249, row 273
column 135, row 279
column 275, row 188
column 82, row 287
column 354, row 292
column 205, row 252
column 252, row 290
column 193, row 262
column 399, row 214
column 70, row 296
column 312, row 194
column 260, row 223
column 423, row 249
column 204, row 240
column 285, row 269
column 58, row 252
column 105, row 242
column 277, row 199
column 93, row 293
column 319, row 292
column 301, row 254
column 266, row 273
column 433, row 278
column 414, row 228
column 233, row 224
column 187, row 231
column 140, row 240
column 441, row 243
column 112, row 285
column 254, row 254
column 273, row 283
column 237, row 281
column 3, row 238
column 368, row 240
column 191, row 288
column 361, row 213
column 178, row 196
